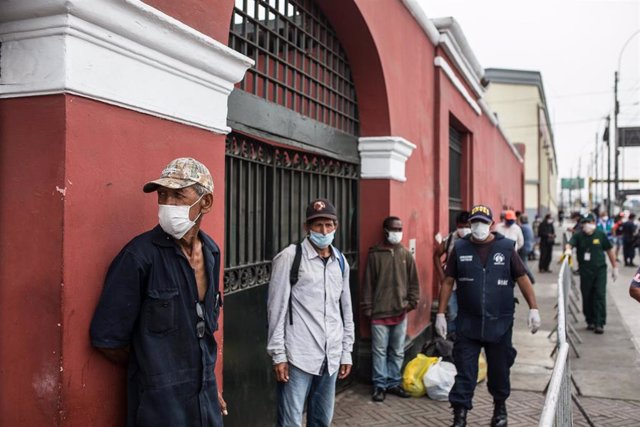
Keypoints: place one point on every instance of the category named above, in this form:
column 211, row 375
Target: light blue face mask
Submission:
column 321, row 240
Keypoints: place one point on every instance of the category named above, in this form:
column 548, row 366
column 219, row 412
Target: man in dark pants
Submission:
column 159, row 307
column 591, row 245
column 485, row 267
column 547, row 235
column 629, row 229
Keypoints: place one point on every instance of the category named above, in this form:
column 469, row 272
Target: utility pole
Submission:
column 578, row 174
column 570, row 187
column 609, row 168
column 595, row 168
column 616, row 109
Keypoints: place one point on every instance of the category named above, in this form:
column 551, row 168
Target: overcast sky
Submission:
column 575, row 44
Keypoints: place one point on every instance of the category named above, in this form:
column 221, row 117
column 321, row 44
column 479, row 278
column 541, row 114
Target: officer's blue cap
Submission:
column 481, row 213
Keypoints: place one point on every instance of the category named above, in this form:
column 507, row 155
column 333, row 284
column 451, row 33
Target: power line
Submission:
column 596, row 119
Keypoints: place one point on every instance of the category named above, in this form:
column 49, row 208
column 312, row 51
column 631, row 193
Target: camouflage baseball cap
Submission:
column 181, row 173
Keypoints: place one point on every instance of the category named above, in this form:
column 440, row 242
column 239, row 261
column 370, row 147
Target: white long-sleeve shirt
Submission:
column 318, row 330
column 514, row 232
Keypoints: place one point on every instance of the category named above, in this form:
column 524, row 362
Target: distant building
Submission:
column 518, row 98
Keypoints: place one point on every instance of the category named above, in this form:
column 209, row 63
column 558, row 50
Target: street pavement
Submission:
column 606, row 372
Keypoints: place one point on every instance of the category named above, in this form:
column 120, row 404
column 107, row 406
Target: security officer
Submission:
column 485, row 266
column 591, row 244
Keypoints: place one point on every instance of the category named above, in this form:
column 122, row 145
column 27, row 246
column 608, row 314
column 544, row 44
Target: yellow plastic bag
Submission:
column 413, row 373
column 482, row 367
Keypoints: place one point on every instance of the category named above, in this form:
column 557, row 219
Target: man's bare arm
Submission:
column 445, row 293
column 527, row 290
column 116, row 355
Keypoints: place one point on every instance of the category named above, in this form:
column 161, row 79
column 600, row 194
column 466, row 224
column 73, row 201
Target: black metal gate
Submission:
column 267, row 190
column 456, row 139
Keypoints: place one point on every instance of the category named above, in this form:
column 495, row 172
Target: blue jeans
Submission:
column 321, row 393
column 387, row 347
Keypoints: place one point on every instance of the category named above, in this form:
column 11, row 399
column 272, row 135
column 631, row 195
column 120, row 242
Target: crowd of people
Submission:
column 160, row 304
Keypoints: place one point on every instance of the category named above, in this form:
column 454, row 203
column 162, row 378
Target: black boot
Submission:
column 459, row 416
column 499, row 415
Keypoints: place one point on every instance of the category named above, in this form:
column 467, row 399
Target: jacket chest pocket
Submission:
column 161, row 311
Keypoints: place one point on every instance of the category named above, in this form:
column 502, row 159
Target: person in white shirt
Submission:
column 311, row 329
column 510, row 229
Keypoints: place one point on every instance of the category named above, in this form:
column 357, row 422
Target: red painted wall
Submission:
column 408, row 79
column 111, row 153
column 32, row 154
column 420, row 102
column 57, row 244
column 494, row 170
column 210, row 17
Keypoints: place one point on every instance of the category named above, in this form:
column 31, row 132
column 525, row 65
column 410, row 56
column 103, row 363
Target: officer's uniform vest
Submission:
column 485, row 293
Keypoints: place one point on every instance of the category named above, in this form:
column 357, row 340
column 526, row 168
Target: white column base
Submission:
column 384, row 157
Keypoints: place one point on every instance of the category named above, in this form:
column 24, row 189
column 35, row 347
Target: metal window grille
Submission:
column 267, row 191
column 299, row 62
column 456, row 139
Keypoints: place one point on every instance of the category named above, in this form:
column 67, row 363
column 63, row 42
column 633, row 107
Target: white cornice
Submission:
column 417, row 11
column 439, row 61
column 452, row 49
column 384, row 157
column 122, row 52
column 451, row 27
column 446, row 32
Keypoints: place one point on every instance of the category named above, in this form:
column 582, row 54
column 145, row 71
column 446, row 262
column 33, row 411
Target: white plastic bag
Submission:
column 439, row 380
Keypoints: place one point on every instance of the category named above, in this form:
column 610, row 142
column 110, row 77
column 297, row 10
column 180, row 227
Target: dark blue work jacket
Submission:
column 485, row 292
column 149, row 303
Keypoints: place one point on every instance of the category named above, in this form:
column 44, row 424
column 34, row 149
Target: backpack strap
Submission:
column 294, row 275
column 341, row 260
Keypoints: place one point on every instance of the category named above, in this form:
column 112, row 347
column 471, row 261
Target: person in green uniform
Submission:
column 591, row 244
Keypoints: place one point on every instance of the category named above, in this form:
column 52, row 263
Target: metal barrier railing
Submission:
column 557, row 410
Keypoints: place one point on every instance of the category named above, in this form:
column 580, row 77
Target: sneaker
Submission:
column 398, row 391
column 591, row 327
column 599, row 330
column 378, row 394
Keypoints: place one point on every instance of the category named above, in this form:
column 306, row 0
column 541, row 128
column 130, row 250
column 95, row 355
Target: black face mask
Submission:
column 510, row 222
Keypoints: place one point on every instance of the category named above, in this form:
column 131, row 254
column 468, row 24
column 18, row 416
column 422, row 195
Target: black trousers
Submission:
column 500, row 358
column 545, row 255
column 629, row 251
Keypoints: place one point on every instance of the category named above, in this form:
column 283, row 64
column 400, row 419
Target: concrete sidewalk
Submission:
column 607, row 372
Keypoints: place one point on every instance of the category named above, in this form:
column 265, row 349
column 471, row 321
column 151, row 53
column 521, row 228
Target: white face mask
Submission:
column 175, row 221
column 394, row 237
column 463, row 231
column 480, row 230
column 589, row 228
